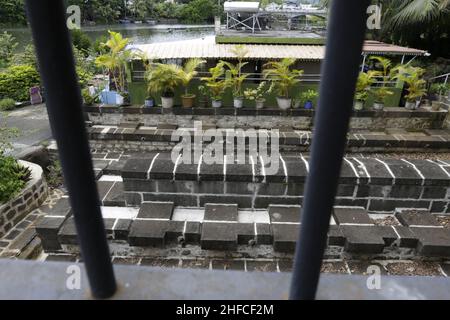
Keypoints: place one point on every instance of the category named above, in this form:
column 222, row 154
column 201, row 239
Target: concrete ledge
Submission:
column 264, row 118
column 30, row 197
column 47, row 280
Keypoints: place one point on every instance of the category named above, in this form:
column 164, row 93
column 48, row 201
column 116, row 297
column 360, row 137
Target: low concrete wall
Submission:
column 378, row 185
column 31, row 197
column 226, row 117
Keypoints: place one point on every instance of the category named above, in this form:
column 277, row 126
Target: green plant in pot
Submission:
column 186, row 74
column 216, row 84
column 441, row 90
column 380, row 94
column 283, row 79
column 257, row 94
column 415, row 85
column 115, row 61
column 308, row 99
column 365, row 80
column 163, row 79
column 235, row 76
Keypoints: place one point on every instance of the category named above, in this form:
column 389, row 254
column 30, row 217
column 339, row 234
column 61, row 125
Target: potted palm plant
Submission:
column 365, row 80
column 283, row 79
column 115, row 61
column 186, row 74
column 380, row 94
column 257, row 94
column 235, row 76
column 415, row 86
column 163, row 79
column 216, row 84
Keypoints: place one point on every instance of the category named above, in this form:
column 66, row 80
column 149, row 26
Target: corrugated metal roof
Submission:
column 207, row 48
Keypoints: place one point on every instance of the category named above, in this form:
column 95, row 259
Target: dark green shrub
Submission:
column 16, row 81
column 13, row 178
column 7, row 104
column 81, row 41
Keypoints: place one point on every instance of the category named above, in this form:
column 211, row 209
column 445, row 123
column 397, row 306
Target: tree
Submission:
column 199, row 11
column 7, row 45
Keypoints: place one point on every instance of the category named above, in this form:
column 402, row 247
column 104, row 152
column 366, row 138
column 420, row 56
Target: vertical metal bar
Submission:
column 346, row 31
column 364, row 63
column 63, row 99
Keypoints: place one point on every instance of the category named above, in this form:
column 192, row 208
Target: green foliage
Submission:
column 7, row 104
column 54, row 175
column 381, row 93
column 115, row 59
column 215, row 83
column 439, row 88
column 199, row 11
column 281, row 75
column 309, row 95
column 81, row 41
column 7, row 46
column 89, row 99
column 415, row 84
column 26, row 57
column 234, row 74
column 257, row 93
column 365, row 80
column 13, row 177
column 188, row 72
column 16, row 81
column 163, row 78
column 12, row 13
column 84, row 77
column 385, row 64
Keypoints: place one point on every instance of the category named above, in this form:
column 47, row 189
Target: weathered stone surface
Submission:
column 362, row 239
column 221, row 212
column 221, row 264
column 285, row 237
column 154, row 232
column 351, row 216
column 263, row 233
column 115, row 197
column 121, row 229
column 219, row 236
column 335, row 236
column 432, row 241
column 47, row 230
column 261, row 266
column 416, row 218
column 407, row 238
column 156, row 210
column 68, row 233
column 280, row 213
column 137, row 168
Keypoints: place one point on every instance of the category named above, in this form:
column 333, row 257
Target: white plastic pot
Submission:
column 260, row 103
column 167, row 102
column 238, row 102
column 216, row 103
column 358, row 105
column 410, row 105
column 378, row 105
column 296, row 104
column 284, row 103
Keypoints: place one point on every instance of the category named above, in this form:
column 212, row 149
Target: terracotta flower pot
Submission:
column 187, row 101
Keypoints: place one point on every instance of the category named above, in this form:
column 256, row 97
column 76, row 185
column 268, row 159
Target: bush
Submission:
column 13, row 178
column 16, row 81
column 81, row 41
column 7, row 104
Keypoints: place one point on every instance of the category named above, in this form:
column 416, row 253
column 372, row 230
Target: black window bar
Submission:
column 345, row 38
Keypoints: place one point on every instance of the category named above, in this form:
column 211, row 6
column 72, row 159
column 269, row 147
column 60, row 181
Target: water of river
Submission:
column 138, row 33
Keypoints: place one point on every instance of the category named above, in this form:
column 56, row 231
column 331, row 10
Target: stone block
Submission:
column 221, row 212
column 285, row 237
column 432, row 241
column 362, row 239
column 279, row 213
column 411, row 218
column 154, row 232
column 47, row 229
column 352, row 216
column 156, row 210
